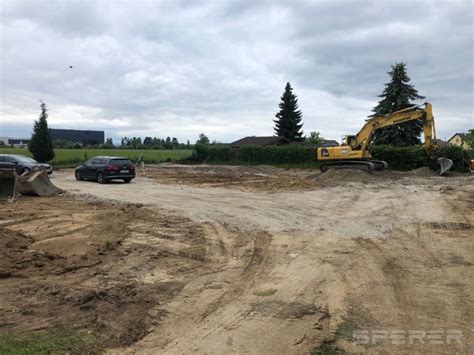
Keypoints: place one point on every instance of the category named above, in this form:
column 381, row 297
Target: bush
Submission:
column 409, row 158
column 200, row 152
column 107, row 146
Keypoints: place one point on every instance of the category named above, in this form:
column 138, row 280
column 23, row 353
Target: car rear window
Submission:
column 120, row 162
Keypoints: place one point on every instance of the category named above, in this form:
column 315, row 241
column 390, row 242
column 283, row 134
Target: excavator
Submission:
column 354, row 151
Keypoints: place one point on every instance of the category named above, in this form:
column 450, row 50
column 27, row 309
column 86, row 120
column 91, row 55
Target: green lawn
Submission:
column 47, row 342
column 71, row 157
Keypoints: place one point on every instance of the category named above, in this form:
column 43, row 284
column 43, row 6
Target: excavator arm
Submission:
column 364, row 136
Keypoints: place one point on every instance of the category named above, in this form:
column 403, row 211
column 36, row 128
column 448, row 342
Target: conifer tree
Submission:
column 397, row 95
column 41, row 144
column 288, row 123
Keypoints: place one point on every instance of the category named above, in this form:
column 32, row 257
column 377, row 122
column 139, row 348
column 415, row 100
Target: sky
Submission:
column 181, row 68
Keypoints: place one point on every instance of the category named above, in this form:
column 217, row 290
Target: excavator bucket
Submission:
column 445, row 164
column 37, row 183
column 8, row 179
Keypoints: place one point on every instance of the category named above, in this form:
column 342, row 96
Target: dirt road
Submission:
column 344, row 210
column 238, row 269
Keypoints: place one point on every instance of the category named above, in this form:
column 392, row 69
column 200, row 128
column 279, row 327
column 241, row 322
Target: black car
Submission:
column 24, row 164
column 103, row 169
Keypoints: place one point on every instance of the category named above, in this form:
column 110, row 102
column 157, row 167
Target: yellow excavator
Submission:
column 354, row 151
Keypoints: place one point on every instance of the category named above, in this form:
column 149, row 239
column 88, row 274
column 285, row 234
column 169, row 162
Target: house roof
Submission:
column 262, row 141
column 462, row 135
column 329, row 143
column 440, row 142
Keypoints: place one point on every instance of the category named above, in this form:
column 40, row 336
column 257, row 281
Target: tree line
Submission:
column 151, row 143
column 397, row 94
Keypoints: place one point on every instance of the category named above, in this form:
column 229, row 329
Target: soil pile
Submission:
column 253, row 178
column 70, row 265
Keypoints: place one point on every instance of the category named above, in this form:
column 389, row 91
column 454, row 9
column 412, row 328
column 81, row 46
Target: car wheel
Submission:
column 127, row 180
column 101, row 178
column 78, row 176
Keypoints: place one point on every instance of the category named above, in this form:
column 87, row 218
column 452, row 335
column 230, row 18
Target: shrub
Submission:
column 107, row 146
column 200, row 152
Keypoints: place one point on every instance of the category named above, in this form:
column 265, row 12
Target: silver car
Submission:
column 24, row 164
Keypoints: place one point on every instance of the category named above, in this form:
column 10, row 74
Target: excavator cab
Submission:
column 348, row 140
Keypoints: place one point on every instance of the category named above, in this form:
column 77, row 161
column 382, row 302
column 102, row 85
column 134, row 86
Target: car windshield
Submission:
column 120, row 162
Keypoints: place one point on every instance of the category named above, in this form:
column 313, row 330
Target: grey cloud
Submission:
column 181, row 68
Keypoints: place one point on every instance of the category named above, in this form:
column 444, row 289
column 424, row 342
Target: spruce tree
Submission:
column 397, row 95
column 289, row 117
column 41, row 145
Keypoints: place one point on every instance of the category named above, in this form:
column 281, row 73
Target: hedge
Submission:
column 409, row 158
column 398, row 158
column 252, row 154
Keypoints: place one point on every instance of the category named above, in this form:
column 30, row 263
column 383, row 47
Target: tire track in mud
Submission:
column 408, row 270
column 210, row 302
column 255, row 267
column 394, row 273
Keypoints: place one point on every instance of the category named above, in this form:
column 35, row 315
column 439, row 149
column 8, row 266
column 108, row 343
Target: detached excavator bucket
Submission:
column 445, row 164
column 37, row 183
column 8, row 179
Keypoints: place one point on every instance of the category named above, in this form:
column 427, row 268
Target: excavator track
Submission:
column 365, row 165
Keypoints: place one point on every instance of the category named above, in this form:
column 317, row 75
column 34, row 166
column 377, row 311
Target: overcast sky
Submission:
column 179, row 68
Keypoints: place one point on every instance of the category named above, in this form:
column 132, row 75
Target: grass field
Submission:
column 53, row 341
column 71, row 157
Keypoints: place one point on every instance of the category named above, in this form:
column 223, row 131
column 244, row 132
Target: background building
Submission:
column 14, row 142
column 83, row 137
column 459, row 139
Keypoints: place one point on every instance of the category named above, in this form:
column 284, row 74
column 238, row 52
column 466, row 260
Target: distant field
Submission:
column 69, row 157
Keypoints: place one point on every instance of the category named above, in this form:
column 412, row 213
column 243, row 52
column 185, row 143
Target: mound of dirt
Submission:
column 247, row 178
column 62, row 264
column 335, row 177
column 423, row 172
column 13, row 240
column 12, row 247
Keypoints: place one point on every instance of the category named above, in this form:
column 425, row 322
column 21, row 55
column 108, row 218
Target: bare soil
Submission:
column 182, row 261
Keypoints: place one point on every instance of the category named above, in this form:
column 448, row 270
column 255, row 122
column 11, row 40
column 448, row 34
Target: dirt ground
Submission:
column 246, row 260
